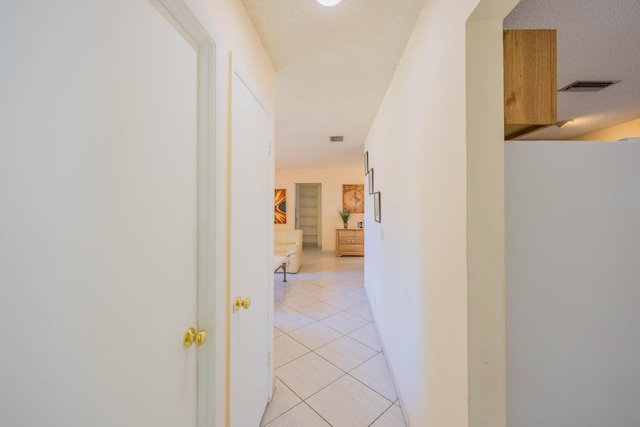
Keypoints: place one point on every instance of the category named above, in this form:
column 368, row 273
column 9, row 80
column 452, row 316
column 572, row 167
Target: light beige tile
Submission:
column 344, row 322
column 346, row 353
column 315, row 335
column 343, row 302
column 362, row 311
column 360, row 294
column 375, row 373
column 308, row 374
column 279, row 293
column 331, row 271
column 282, row 292
column 308, row 276
column 351, row 285
column 302, row 286
column 286, row 349
column 291, row 321
column 368, row 336
column 325, row 282
column 318, row 292
column 300, row 416
column 277, row 333
column 392, row 418
column 345, row 287
column 319, row 310
column 354, row 275
column 348, row 403
column 283, row 400
column 298, row 300
column 280, row 308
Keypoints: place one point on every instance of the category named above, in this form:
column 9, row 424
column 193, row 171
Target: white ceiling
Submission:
column 597, row 40
column 334, row 65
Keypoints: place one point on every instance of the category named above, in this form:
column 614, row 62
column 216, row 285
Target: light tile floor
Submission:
column 329, row 365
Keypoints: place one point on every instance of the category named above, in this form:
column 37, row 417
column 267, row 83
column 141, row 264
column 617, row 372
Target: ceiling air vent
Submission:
column 588, row 85
column 336, row 138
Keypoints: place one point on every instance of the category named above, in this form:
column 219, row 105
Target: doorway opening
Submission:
column 309, row 214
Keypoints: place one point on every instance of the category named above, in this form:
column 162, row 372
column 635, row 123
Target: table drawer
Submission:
column 351, row 248
column 351, row 241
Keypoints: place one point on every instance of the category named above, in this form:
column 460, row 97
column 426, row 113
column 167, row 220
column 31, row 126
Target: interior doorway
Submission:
column 309, row 214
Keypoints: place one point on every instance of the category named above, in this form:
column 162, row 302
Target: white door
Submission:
column 251, row 237
column 98, row 215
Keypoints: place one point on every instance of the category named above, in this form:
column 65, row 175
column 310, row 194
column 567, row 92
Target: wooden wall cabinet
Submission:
column 530, row 81
column 349, row 241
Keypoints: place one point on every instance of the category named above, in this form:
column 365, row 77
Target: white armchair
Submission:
column 287, row 241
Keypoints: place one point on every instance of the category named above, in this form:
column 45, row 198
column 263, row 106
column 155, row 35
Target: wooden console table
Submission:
column 349, row 241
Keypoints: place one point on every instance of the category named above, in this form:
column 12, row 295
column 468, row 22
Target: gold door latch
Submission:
column 244, row 303
column 191, row 336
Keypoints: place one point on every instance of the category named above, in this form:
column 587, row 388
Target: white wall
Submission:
column 332, row 181
column 415, row 267
column 573, row 284
column 240, row 37
column 419, row 145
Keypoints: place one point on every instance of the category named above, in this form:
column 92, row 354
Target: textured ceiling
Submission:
column 597, row 40
column 333, row 65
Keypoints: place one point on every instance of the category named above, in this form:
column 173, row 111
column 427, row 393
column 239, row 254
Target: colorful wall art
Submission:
column 280, row 202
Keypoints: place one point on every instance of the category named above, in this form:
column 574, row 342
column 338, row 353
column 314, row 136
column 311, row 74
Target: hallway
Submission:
column 329, row 366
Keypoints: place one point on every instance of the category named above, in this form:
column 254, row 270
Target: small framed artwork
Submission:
column 280, row 204
column 371, row 181
column 376, row 206
column 366, row 162
column 353, row 198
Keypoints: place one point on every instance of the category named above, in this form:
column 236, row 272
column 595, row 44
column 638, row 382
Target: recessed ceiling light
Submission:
column 329, row 2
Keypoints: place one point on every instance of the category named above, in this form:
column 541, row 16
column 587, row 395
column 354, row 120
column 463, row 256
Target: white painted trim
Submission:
column 212, row 169
column 193, row 17
column 206, row 231
column 220, row 177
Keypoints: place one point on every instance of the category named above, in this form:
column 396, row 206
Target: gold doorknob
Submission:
column 201, row 337
column 244, row 303
column 191, row 336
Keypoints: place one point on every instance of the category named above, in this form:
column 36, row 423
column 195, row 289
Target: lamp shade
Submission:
column 329, row 2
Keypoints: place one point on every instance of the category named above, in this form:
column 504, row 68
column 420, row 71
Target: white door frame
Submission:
column 212, row 169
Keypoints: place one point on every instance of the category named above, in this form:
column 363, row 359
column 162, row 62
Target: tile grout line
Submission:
column 334, row 287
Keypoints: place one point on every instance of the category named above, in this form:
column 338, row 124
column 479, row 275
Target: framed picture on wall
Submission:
column 371, row 181
column 280, row 206
column 353, row 198
column 366, row 162
column 376, row 207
